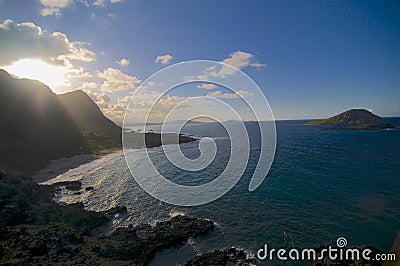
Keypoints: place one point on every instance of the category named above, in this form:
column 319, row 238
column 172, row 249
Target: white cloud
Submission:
column 238, row 60
column 79, row 72
column 236, row 95
column 164, row 59
column 195, row 78
column 116, row 80
column 101, row 99
column 111, row 16
column 88, row 86
column 207, row 86
column 27, row 40
column 257, row 65
column 55, row 3
column 114, row 111
column 99, row 3
column 49, row 11
column 145, row 100
column 124, row 62
column 53, row 7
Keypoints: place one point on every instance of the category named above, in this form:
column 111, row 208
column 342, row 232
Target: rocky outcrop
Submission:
column 53, row 243
column 139, row 244
column 136, row 140
column 223, row 257
column 35, row 230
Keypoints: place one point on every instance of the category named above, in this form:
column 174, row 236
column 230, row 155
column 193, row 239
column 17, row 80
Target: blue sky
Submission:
column 310, row 58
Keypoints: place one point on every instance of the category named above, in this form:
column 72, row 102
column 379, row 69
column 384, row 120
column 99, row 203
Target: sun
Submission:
column 52, row 76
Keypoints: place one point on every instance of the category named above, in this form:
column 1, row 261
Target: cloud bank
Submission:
column 27, row 40
column 116, row 80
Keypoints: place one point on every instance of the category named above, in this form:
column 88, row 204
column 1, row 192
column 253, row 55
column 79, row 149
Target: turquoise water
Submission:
column 323, row 184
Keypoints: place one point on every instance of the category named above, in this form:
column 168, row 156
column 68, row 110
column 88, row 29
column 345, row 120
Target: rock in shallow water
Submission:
column 139, row 244
column 223, row 257
column 89, row 188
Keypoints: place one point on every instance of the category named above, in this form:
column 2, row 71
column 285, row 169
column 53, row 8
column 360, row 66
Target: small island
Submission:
column 354, row 119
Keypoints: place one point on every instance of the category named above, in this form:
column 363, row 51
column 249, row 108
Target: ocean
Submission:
column 323, row 184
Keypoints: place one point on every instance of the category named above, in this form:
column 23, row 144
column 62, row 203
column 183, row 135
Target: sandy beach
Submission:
column 62, row 165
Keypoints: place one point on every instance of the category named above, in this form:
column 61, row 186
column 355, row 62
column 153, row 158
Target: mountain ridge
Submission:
column 78, row 102
column 38, row 125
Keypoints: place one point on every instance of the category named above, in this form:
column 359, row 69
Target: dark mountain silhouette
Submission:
column 37, row 125
column 86, row 114
column 354, row 119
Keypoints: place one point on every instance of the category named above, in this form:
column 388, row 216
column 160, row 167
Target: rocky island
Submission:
column 354, row 119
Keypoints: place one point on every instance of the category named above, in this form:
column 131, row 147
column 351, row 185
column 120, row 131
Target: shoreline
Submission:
column 62, row 165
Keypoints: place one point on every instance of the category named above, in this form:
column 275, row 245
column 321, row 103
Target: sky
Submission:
column 311, row 59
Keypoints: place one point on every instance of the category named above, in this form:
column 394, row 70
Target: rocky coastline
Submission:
column 35, row 230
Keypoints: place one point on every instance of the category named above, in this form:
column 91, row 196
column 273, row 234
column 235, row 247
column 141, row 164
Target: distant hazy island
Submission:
column 354, row 119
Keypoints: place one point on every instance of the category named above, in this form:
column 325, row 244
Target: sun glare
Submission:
column 52, row 76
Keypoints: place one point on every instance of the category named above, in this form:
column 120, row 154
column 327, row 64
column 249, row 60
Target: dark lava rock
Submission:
column 35, row 230
column 56, row 243
column 32, row 243
column 139, row 244
column 113, row 211
column 89, row 188
column 222, row 258
column 326, row 261
column 70, row 185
